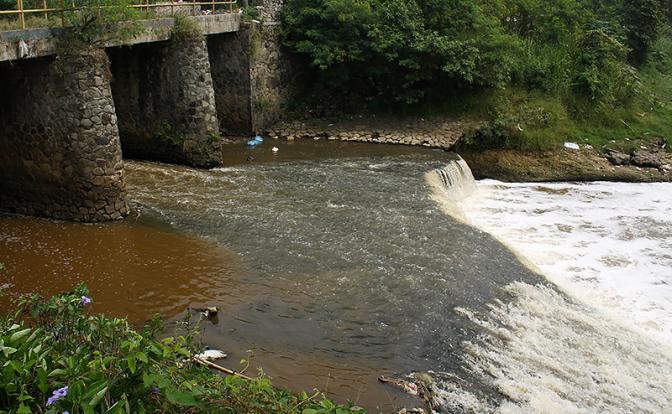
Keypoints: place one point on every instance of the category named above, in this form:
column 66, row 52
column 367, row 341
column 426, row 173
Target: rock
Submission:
column 617, row 157
column 646, row 159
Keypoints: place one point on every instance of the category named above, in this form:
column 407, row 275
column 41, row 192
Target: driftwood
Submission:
column 219, row 368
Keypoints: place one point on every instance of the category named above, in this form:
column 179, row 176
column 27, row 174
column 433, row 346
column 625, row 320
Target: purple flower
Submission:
column 61, row 392
column 57, row 395
column 86, row 300
column 66, row 412
column 155, row 390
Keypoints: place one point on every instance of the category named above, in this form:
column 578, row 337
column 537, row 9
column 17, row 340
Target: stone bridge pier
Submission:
column 59, row 143
column 165, row 102
column 65, row 121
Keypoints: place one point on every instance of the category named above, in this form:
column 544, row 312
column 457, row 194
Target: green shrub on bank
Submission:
column 56, row 358
column 545, row 71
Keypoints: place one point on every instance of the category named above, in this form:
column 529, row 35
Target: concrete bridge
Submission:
column 65, row 121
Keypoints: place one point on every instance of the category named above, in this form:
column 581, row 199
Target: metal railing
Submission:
column 212, row 7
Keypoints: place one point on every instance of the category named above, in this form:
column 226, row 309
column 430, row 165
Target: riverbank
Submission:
column 586, row 164
column 68, row 358
column 637, row 160
column 433, row 131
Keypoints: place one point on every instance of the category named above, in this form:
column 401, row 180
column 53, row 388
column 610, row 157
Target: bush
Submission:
column 56, row 358
column 398, row 51
column 602, row 80
column 519, row 121
column 185, row 27
column 404, row 52
column 95, row 23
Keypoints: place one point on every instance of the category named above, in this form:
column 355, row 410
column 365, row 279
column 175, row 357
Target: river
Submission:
column 334, row 263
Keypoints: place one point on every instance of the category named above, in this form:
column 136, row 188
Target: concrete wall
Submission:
column 165, row 102
column 251, row 75
column 59, row 144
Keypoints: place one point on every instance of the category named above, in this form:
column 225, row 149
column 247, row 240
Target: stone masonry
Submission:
column 251, row 75
column 166, row 103
column 60, row 154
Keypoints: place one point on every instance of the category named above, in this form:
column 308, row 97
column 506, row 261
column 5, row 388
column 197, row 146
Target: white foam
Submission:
column 547, row 354
column 608, row 244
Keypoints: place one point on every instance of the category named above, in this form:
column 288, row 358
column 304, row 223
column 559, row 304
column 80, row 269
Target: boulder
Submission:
column 617, row 157
column 643, row 158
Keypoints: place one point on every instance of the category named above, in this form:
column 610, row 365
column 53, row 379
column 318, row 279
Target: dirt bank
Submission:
column 562, row 165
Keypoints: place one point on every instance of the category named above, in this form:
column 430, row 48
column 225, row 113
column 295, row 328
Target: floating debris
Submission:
column 207, row 312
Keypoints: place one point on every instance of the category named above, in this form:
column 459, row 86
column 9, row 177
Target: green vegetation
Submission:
column 56, row 358
column 185, row 27
column 536, row 72
column 98, row 22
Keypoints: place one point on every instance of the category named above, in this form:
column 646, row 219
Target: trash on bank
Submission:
column 275, row 150
column 435, row 389
column 211, row 355
column 572, row 146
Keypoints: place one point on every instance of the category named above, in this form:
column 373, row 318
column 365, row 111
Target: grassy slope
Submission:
column 650, row 116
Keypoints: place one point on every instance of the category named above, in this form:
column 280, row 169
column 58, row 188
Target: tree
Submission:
column 642, row 21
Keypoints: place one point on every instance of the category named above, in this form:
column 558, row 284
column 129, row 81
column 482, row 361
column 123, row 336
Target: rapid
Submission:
column 335, row 263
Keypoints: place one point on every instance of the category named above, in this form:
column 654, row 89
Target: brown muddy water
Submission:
column 330, row 261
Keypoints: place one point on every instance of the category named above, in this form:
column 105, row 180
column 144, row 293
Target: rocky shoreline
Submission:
column 651, row 163
column 585, row 164
column 433, row 132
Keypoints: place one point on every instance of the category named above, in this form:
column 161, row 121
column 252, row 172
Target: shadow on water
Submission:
column 329, row 260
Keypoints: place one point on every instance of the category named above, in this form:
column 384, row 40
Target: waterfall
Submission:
column 455, row 180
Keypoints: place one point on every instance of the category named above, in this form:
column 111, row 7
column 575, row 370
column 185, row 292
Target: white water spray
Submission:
column 606, row 244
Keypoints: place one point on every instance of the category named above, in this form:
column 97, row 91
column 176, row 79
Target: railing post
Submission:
column 63, row 13
column 22, row 18
column 44, row 6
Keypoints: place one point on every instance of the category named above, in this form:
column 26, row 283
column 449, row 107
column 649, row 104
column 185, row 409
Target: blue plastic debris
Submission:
column 253, row 143
column 258, row 138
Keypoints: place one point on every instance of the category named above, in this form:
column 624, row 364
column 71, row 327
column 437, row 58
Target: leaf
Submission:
column 309, row 411
column 18, row 335
column 96, row 398
column 95, row 388
column 116, row 408
column 8, row 350
column 23, row 410
column 56, row 372
column 181, row 398
column 87, row 409
column 131, row 363
column 140, row 356
column 42, row 384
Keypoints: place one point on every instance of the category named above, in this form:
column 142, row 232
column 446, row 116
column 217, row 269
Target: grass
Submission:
column 12, row 22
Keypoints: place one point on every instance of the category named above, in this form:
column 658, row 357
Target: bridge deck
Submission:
column 42, row 41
